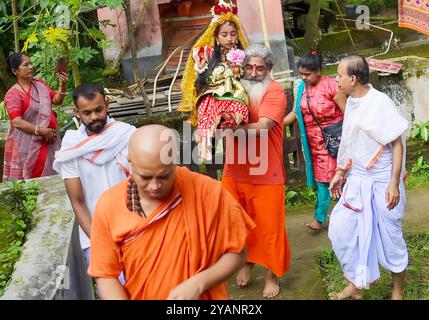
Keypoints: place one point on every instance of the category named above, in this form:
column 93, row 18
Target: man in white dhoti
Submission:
column 92, row 158
column 365, row 225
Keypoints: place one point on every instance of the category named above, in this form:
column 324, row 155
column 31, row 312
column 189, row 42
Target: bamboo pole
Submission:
column 15, row 25
column 265, row 33
column 264, row 23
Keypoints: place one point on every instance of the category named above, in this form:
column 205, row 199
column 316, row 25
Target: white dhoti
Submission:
column 363, row 232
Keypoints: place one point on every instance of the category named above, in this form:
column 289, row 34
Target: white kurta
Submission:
column 363, row 232
column 100, row 161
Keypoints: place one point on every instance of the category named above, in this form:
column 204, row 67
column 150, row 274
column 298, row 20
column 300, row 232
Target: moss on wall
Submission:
column 337, row 43
column 172, row 120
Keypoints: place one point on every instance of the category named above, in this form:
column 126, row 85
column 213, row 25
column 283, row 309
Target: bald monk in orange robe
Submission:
column 258, row 182
column 175, row 234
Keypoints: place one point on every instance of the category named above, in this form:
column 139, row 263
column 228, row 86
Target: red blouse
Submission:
column 327, row 113
column 17, row 102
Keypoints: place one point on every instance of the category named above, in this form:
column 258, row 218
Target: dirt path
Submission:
column 303, row 279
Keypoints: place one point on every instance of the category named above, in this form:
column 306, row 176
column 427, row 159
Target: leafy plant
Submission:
column 52, row 29
column 419, row 165
column 299, row 197
column 3, row 111
column 20, row 200
column 416, row 179
column 421, row 131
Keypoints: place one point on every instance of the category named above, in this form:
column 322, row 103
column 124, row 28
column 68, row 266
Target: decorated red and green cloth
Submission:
column 414, row 14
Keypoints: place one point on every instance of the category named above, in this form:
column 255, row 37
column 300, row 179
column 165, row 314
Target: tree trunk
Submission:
column 15, row 25
column 133, row 50
column 75, row 73
column 4, row 76
column 342, row 5
column 312, row 32
column 73, row 66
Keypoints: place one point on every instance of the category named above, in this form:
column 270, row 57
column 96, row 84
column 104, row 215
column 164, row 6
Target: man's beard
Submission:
column 255, row 87
column 96, row 126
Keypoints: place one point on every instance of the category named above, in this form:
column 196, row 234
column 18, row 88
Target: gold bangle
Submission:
column 36, row 130
column 62, row 93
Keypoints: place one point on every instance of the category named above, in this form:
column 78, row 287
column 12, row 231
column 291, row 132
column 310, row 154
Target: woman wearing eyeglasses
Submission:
column 319, row 104
column 211, row 86
column 33, row 136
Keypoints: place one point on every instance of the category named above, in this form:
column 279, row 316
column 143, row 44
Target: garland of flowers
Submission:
column 231, row 67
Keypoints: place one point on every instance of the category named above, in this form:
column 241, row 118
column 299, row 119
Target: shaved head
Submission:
column 151, row 143
column 153, row 154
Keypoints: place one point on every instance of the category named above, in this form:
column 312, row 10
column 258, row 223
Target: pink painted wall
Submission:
column 148, row 33
column 249, row 14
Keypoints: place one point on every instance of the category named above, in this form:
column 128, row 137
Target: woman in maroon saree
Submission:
column 33, row 135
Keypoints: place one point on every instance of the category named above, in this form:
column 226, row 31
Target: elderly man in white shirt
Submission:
column 92, row 158
column 365, row 226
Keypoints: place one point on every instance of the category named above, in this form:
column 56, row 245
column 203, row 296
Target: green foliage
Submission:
column 417, row 278
column 52, row 29
column 20, row 200
column 417, row 178
column 43, row 60
column 3, row 112
column 328, row 3
column 419, row 165
column 421, row 131
column 82, row 54
column 373, row 5
column 300, row 197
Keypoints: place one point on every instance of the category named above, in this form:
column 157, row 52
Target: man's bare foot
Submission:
column 243, row 275
column 349, row 291
column 272, row 286
column 315, row 225
column 397, row 295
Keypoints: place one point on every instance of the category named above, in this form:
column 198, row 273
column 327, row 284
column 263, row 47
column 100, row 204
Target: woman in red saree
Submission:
column 33, row 135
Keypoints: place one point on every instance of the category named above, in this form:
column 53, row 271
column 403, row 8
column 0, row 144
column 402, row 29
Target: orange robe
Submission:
column 189, row 232
column 262, row 196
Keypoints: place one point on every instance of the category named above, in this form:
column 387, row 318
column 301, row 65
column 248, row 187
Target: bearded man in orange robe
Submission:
column 254, row 172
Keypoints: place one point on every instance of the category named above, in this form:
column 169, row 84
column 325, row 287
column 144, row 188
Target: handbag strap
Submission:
column 308, row 106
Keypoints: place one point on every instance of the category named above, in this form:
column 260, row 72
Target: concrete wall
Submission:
column 147, row 35
column 51, row 265
column 250, row 17
column 409, row 88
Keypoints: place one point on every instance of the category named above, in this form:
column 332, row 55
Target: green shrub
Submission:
column 18, row 201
